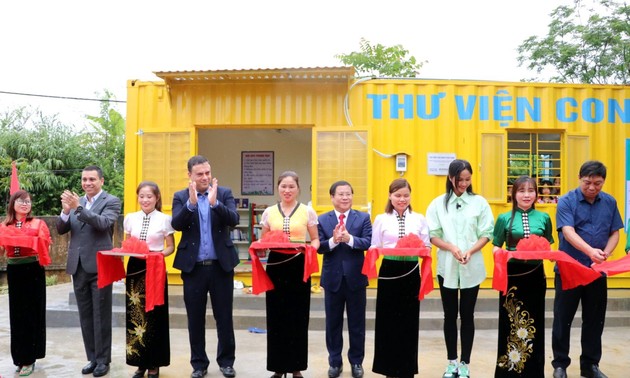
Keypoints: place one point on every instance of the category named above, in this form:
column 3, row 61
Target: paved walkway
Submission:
column 66, row 356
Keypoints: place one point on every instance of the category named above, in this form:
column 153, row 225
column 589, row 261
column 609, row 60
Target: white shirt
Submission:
column 385, row 229
column 159, row 228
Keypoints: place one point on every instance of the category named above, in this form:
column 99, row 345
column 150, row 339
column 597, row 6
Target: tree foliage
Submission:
column 106, row 141
column 50, row 155
column 583, row 45
column 382, row 61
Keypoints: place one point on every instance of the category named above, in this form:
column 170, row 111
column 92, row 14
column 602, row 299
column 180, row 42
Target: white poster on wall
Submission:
column 257, row 173
column 438, row 162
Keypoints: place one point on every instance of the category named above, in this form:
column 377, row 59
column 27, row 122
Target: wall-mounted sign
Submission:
column 438, row 163
column 257, row 173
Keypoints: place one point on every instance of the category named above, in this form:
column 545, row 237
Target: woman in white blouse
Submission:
column 461, row 223
column 397, row 304
column 148, row 343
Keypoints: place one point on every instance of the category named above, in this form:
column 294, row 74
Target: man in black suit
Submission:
column 344, row 235
column 204, row 213
column 90, row 220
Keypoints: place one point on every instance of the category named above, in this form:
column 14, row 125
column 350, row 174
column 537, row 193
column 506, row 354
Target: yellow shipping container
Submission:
column 326, row 126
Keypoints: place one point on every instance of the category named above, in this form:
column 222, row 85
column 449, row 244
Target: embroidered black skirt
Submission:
column 148, row 341
column 521, row 343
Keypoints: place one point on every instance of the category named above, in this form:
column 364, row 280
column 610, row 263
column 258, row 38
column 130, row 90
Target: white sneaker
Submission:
column 463, row 371
column 451, row 370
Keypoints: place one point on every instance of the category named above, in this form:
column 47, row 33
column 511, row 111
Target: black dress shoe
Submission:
column 357, row 371
column 156, row 374
column 198, row 373
column 334, row 371
column 228, row 371
column 100, row 370
column 89, row 368
column 139, row 373
column 559, row 373
column 592, row 372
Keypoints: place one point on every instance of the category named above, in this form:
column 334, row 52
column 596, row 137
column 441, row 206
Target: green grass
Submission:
column 51, row 280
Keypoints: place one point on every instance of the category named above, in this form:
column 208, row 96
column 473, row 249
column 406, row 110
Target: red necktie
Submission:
column 341, row 219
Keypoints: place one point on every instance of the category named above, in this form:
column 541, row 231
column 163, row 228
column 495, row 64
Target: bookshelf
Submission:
column 240, row 234
column 248, row 229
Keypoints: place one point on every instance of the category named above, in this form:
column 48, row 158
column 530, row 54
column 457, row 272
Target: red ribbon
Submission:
column 573, row 273
column 27, row 238
column 426, row 274
column 111, row 269
column 260, row 280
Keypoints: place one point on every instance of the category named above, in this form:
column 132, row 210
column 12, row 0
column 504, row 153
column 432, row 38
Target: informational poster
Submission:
column 257, row 173
column 438, row 163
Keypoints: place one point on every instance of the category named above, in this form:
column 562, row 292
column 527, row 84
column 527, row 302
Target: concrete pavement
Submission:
column 66, row 356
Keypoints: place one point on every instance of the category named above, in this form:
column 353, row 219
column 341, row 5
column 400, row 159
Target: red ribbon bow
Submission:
column 27, row 237
column 573, row 273
column 410, row 245
column 111, row 269
column 279, row 242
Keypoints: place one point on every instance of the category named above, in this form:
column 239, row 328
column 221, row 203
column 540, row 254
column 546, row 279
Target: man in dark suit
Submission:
column 90, row 220
column 344, row 235
column 204, row 213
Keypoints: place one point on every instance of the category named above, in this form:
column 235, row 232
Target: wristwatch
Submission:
column 78, row 210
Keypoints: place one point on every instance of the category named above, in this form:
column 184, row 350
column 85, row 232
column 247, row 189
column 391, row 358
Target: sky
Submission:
column 80, row 48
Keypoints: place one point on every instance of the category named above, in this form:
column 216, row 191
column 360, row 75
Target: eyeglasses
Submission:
column 23, row 202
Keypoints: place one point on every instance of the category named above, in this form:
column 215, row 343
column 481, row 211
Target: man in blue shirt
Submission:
column 588, row 223
column 204, row 213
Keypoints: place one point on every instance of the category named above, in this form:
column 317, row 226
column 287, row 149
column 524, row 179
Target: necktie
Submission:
column 525, row 219
column 341, row 217
column 145, row 227
column 401, row 226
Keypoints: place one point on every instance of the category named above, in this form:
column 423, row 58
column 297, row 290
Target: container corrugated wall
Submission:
column 418, row 117
column 471, row 120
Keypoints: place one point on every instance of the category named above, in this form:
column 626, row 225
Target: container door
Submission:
column 342, row 153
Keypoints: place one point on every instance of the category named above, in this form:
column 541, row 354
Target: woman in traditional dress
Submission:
column 27, row 282
column 148, row 342
column 288, row 304
column 521, row 351
column 397, row 303
column 461, row 223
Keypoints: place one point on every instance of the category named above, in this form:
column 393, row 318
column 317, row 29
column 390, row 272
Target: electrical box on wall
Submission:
column 401, row 163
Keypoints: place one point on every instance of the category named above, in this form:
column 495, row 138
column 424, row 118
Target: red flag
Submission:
column 15, row 183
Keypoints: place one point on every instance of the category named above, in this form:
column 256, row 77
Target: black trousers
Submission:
column 594, row 298
column 466, row 307
column 204, row 279
column 95, row 315
column 354, row 303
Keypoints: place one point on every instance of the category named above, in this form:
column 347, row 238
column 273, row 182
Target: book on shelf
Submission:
column 244, row 203
column 238, row 235
column 257, row 231
column 237, row 202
